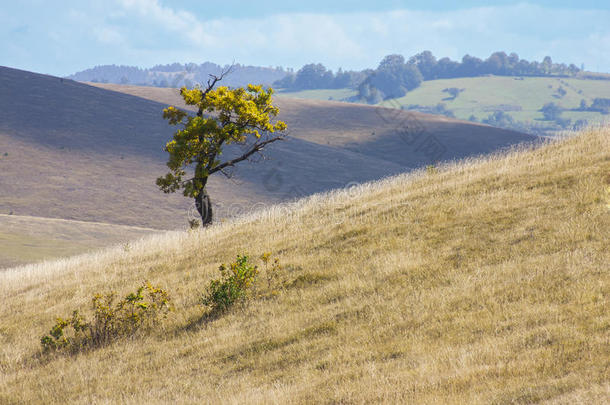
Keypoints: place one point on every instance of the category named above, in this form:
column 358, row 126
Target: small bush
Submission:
column 139, row 310
column 232, row 287
column 273, row 272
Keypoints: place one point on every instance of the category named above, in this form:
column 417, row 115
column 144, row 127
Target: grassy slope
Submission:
column 31, row 239
column 486, row 282
column 484, row 95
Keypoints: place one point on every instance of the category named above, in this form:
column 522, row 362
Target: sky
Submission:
column 61, row 37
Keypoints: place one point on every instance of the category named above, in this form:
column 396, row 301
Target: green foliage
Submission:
column 316, row 76
column 499, row 119
column 238, row 282
column 551, row 111
column 231, row 116
column 110, row 320
column 601, row 105
column 233, row 286
column 453, row 92
column 144, row 309
column 393, row 78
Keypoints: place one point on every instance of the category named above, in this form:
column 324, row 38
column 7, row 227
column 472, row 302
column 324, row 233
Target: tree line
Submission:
column 396, row 75
column 177, row 74
column 317, row 76
column 393, row 77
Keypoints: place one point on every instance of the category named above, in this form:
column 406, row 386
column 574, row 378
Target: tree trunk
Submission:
column 204, row 206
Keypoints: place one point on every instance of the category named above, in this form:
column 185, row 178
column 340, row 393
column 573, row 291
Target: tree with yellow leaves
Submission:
column 225, row 116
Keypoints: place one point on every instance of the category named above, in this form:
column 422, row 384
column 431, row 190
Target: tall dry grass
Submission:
column 485, row 281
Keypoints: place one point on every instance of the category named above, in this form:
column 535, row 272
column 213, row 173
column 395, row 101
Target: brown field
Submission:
column 484, row 281
column 33, row 239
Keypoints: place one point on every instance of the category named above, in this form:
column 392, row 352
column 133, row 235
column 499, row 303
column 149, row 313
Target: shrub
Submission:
column 551, row 111
column 232, row 287
column 601, row 105
column 453, row 92
column 110, row 321
column 238, row 282
column 273, row 272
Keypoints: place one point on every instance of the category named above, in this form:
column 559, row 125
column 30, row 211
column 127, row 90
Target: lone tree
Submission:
column 551, row 111
column 225, row 116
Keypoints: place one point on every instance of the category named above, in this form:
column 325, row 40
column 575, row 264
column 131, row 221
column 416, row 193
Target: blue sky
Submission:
column 61, row 37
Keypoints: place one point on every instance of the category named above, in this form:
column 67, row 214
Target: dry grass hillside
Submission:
column 485, row 281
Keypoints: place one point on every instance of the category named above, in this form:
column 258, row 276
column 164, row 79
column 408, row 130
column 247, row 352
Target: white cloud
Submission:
column 359, row 40
column 179, row 21
column 146, row 32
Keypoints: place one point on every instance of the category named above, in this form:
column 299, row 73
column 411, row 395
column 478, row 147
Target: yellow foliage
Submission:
column 231, row 116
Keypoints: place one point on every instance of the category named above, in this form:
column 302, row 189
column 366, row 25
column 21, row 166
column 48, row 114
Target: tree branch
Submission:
column 257, row 147
column 212, row 82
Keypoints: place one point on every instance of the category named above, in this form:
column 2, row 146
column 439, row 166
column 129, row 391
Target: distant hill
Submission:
column 502, row 90
column 409, row 139
column 176, row 74
column 502, row 101
column 74, row 151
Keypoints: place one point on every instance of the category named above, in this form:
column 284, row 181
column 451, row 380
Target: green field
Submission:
column 522, row 98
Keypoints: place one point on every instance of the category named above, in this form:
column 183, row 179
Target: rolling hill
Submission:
column 483, row 281
column 400, row 137
column 73, row 151
column 520, row 97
